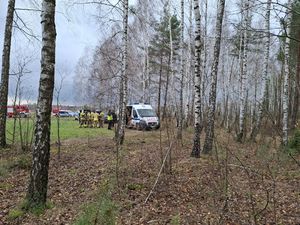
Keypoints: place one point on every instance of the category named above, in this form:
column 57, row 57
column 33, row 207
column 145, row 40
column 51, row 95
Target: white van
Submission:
column 141, row 116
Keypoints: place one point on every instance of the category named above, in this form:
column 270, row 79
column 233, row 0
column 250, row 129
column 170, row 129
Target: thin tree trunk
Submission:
column 5, row 71
column 167, row 89
column 159, row 87
column 181, row 116
column 123, row 87
column 197, row 99
column 37, row 190
column 285, row 99
column 213, row 91
column 265, row 74
column 172, row 89
column 297, row 89
column 14, row 109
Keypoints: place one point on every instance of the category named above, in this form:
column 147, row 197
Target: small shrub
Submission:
column 103, row 211
column 294, row 142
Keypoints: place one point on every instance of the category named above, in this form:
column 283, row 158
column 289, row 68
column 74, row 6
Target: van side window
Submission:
column 134, row 114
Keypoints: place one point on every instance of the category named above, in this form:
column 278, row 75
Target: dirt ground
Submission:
column 238, row 184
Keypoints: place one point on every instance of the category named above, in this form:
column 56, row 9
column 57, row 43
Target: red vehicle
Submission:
column 21, row 110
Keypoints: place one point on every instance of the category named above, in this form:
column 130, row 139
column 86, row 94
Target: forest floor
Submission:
column 250, row 183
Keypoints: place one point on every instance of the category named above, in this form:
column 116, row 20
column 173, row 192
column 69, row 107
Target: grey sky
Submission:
column 75, row 31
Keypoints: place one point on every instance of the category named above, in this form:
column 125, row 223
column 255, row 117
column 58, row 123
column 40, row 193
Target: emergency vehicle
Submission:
column 141, row 116
column 21, row 110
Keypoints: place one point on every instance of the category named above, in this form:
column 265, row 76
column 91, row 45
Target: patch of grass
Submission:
column 69, row 128
column 3, row 168
column 5, row 186
column 36, row 210
column 23, row 161
column 15, row 213
column 135, row 187
column 103, row 211
column 175, row 220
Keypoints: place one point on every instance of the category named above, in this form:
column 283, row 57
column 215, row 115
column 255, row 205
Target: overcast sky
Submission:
column 76, row 30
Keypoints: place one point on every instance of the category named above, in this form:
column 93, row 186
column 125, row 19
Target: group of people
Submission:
column 91, row 119
column 95, row 119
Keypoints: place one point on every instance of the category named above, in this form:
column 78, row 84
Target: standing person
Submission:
column 110, row 120
column 96, row 119
column 114, row 115
column 81, row 118
column 101, row 119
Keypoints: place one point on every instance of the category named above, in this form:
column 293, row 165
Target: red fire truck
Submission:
column 20, row 110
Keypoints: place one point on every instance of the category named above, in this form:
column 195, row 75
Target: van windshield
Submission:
column 146, row 113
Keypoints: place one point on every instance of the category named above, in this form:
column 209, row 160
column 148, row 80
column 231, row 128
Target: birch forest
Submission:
column 150, row 112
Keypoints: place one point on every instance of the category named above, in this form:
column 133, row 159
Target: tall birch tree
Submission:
column 38, row 185
column 123, row 85
column 213, row 89
column 263, row 95
column 181, row 113
column 285, row 97
column 197, row 90
column 5, row 71
column 244, row 72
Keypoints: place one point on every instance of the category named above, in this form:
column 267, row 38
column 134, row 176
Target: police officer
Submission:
column 110, row 120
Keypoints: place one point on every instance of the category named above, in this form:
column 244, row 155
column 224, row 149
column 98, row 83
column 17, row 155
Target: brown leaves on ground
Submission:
column 238, row 184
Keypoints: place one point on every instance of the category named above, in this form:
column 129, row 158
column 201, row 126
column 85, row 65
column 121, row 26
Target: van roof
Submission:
column 141, row 106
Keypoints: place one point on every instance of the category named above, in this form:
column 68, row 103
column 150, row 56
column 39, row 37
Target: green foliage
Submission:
column 175, row 220
column 15, row 213
column 37, row 210
column 103, row 211
column 294, row 143
column 135, row 187
column 160, row 44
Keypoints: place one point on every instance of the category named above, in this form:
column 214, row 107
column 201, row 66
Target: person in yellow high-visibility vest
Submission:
column 110, row 119
column 81, row 118
column 96, row 119
column 101, row 119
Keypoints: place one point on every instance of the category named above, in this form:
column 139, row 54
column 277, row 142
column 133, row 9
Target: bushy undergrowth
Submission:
column 294, row 142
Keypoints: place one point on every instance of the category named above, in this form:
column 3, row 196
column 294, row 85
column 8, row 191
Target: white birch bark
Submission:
column 285, row 97
column 213, row 89
column 120, row 134
column 37, row 190
column 181, row 115
column 172, row 95
column 5, row 71
column 265, row 73
column 244, row 75
column 197, row 99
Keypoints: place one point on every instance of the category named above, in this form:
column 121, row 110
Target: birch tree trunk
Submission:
column 213, row 91
column 197, row 99
column 120, row 135
column 37, row 190
column 285, row 97
column 5, row 71
column 264, row 75
column 244, row 75
column 172, row 89
column 181, row 116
